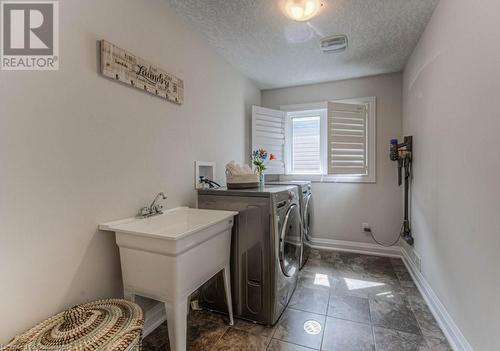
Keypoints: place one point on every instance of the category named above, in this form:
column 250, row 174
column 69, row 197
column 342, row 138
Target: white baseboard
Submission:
column 455, row 337
column 356, row 247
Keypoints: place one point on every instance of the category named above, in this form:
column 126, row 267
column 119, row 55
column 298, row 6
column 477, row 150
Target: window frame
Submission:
column 296, row 109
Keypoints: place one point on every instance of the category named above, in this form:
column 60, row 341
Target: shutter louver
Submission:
column 268, row 132
column 347, row 139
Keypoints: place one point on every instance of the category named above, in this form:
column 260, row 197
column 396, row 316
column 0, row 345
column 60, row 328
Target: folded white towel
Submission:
column 233, row 168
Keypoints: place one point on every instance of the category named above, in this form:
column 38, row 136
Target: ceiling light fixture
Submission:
column 302, row 10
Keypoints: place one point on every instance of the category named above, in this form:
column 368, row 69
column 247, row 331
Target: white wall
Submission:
column 77, row 149
column 451, row 91
column 340, row 208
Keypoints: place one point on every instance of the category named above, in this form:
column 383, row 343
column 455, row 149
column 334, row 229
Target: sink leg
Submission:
column 177, row 324
column 227, row 287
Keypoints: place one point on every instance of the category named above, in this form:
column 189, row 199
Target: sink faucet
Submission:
column 153, row 209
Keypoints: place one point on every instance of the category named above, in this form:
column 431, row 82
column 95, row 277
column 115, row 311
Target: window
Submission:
column 334, row 140
column 328, row 141
column 305, row 145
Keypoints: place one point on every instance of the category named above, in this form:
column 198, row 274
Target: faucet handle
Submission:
column 145, row 211
column 157, row 208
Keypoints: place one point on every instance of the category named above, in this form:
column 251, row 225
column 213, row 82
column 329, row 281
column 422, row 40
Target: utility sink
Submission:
column 172, row 232
column 169, row 256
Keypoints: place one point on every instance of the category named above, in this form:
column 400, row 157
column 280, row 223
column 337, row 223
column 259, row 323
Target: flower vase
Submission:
column 261, row 180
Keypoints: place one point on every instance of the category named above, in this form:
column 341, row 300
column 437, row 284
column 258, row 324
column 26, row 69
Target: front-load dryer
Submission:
column 265, row 250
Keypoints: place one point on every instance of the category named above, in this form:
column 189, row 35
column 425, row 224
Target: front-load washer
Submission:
column 265, row 251
column 306, row 209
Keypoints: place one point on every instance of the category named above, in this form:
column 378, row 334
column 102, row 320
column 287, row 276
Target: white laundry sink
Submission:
column 168, row 256
column 172, row 232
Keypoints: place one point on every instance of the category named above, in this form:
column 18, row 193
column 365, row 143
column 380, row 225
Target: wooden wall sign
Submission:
column 121, row 65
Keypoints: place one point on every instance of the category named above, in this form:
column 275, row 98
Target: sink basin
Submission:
column 169, row 256
column 172, row 232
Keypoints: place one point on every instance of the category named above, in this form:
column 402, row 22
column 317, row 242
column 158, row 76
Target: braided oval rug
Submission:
column 113, row 324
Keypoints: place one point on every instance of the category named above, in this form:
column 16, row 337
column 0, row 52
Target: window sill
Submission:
column 318, row 178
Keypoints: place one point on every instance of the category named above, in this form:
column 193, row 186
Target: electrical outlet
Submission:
column 365, row 227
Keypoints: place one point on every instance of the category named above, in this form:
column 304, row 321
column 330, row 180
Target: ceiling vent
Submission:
column 333, row 44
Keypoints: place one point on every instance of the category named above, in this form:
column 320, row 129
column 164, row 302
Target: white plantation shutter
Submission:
column 268, row 132
column 347, row 139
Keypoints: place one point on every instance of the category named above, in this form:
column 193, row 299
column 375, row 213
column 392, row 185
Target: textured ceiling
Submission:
column 275, row 51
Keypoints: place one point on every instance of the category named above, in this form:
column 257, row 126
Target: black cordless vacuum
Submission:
column 403, row 153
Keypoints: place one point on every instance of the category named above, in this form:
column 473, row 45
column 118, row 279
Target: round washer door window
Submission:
column 290, row 242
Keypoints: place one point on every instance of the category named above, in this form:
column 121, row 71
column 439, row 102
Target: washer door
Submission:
column 290, row 242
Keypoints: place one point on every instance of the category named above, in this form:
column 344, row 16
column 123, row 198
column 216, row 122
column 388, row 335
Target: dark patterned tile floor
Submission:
column 346, row 301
